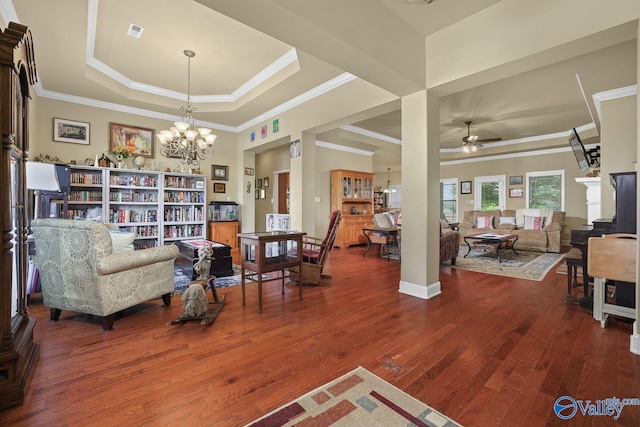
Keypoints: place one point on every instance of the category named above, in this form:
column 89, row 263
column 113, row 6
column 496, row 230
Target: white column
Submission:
column 593, row 197
column 634, row 345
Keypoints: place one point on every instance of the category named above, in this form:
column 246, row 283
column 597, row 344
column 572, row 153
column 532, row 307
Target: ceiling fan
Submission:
column 471, row 143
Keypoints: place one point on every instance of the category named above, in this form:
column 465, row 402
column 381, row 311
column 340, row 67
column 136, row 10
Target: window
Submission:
column 395, row 197
column 449, row 199
column 490, row 192
column 545, row 190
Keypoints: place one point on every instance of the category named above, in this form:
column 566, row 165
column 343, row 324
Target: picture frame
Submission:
column 199, row 185
column 516, row 192
column 71, row 131
column 259, row 183
column 248, row 171
column 295, row 149
column 515, row 180
column 265, row 181
column 257, row 194
column 465, row 187
column 220, row 172
column 263, row 193
column 219, row 187
column 131, row 136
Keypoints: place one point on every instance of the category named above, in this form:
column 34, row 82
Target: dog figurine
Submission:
column 194, row 301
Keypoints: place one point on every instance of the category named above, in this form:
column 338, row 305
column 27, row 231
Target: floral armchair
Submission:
column 79, row 271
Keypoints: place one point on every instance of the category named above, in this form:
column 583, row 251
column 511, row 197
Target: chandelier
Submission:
column 183, row 140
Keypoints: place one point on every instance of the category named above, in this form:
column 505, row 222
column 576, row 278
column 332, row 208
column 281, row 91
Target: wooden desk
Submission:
column 388, row 233
column 269, row 251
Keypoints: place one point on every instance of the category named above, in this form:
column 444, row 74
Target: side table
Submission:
column 266, row 252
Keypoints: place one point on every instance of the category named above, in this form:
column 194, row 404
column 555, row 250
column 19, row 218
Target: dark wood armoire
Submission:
column 18, row 352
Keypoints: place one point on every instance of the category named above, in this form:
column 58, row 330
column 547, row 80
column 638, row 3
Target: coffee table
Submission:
column 492, row 241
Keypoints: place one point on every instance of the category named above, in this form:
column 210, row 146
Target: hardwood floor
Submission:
column 489, row 351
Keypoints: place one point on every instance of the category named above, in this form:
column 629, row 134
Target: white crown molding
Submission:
column 8, row 12
column 608, row 95
column 332, row 146
column 371, row 134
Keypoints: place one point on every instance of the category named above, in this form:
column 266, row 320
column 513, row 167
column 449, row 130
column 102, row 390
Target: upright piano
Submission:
column 624, row 221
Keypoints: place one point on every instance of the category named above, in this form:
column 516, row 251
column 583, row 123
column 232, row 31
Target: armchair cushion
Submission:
column 121, row 241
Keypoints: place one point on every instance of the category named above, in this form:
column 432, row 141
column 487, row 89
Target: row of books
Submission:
column 121, row 216
column 179, row 182
column 134, row 180
column 184, row 214
column 176, row 231
column 184, row 196
column 85, row 178
column 85, row 196
column 133, row 196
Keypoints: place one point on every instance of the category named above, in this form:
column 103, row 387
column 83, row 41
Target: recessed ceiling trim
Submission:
column 608, row 95
column 371, row 134
column 332, row 146
column 270, row 71
column 512, row 155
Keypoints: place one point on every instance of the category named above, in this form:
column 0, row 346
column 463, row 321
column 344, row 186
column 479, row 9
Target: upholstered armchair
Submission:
column 449, row 244
column 79, row 271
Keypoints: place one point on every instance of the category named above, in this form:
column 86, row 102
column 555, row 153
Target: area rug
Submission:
column 526, row 265
column 181, row 281
column 358, row 398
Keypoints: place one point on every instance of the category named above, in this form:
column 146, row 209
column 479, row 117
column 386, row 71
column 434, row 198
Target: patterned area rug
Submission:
column 358, row 398
column 525, row 265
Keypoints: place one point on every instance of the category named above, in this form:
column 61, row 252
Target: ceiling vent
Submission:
column 135, row 30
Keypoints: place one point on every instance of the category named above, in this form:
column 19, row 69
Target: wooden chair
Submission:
column 612, row 257
column 315, row 252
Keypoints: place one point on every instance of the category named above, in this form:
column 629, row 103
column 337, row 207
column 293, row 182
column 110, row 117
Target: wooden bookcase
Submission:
column 352, row 193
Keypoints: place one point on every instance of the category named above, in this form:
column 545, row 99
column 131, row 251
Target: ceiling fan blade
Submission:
column 489, row 140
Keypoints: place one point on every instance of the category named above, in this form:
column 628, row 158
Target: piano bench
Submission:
column 573, row 260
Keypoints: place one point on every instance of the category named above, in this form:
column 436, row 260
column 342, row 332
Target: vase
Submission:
column 120, row 159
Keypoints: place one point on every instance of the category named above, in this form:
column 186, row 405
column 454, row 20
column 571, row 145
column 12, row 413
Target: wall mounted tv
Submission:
column 578, row 150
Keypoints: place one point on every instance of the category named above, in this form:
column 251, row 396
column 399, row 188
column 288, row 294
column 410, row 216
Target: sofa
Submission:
column 538, row 230
column 81, row 272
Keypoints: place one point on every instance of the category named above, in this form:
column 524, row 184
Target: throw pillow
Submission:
column 121, row 241
column 507, row 220
column 535, row 223
column 485, row 222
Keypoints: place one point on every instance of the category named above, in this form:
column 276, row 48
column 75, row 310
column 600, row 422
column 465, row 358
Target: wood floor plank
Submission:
column 489, row 350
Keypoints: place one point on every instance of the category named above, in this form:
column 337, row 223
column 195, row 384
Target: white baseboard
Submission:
column 420, row 291
column 634, row 341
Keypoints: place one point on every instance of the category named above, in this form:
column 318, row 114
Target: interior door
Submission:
column 490, row 193
column 283, row 193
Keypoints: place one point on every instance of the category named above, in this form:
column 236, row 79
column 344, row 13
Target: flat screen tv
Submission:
column 579, row 151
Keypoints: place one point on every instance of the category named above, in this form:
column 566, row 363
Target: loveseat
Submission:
column 538, row 230
column 449, row 243
column 80, row 272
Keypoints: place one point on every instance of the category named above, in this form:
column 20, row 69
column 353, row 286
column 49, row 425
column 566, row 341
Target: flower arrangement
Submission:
column 124, row 151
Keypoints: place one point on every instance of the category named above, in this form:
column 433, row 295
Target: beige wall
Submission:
column 44, row 110
column 575, row 194
column 618, row 148
column 266, row 165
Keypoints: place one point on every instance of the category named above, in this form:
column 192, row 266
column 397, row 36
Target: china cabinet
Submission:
column 352, row 193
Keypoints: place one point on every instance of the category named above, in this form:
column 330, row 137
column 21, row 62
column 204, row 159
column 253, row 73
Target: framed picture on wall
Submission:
column 136, row 140
column 516, row 192
column 515, row 180
column 219, row 187
column 71, row 131
column 465, row 187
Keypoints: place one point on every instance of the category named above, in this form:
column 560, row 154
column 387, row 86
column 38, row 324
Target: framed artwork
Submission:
column 70, row 131
column 263, row 193
column 516, row 192
column 200, row 185
column 257, row 194
column 139, row 141
column 265, row 181
column 295, row 149
column 252, row 136
column 465, row 187
column 219, row 187
column 248, row 171
column 220, row 173
column 259, row 183
column 515, row 180
column 263, row 132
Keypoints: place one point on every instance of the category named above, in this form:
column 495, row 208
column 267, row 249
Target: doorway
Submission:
column 283, row 193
